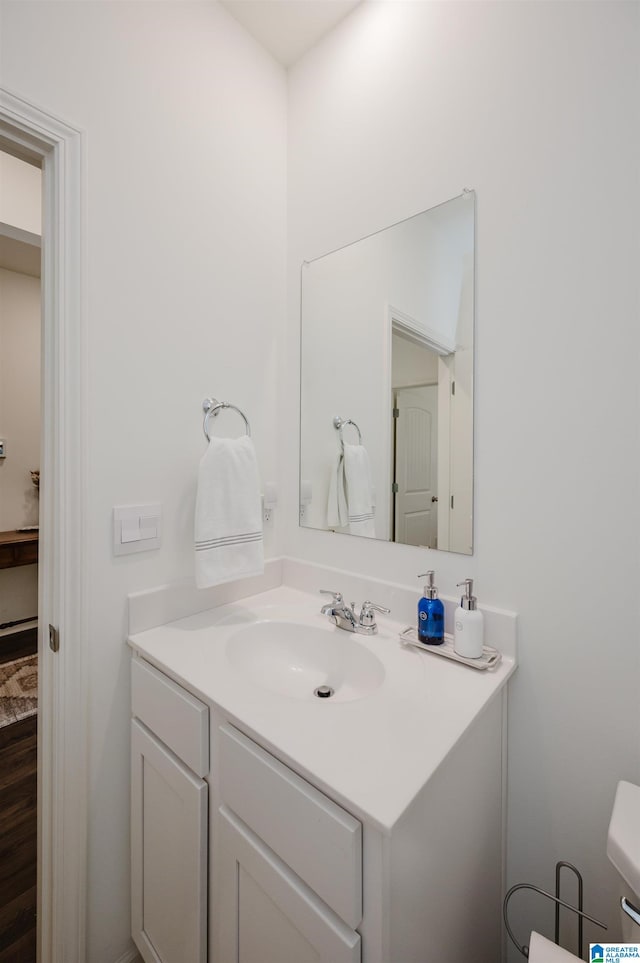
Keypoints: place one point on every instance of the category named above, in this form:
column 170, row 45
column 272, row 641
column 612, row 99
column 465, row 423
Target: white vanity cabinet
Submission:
column 293, row 876
column 297, row 878
column 287, row 864
column 169, row 819
column 267, row 914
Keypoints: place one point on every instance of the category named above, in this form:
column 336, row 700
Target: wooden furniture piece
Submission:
column 18, row 548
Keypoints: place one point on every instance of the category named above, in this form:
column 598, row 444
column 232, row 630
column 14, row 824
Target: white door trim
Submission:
column 29, row 132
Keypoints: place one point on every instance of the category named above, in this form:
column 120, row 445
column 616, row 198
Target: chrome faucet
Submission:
column 328, row 609
column 344, row 616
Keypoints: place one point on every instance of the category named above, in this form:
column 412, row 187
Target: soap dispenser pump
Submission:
column 468, row 624
column 430, row 613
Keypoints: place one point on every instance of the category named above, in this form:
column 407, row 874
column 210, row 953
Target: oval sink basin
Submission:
column 294, row 659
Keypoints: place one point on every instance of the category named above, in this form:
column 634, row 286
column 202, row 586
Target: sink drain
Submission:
column 323, row 692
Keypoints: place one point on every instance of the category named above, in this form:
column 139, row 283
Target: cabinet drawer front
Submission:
column 267, row 914
column 177, row 718
column 315, row 837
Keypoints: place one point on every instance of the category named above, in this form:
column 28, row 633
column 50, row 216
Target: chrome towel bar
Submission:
column 559, row 902
column 211, row 406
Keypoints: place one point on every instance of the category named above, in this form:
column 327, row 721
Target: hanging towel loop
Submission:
column 339, row 423
column 211, row 406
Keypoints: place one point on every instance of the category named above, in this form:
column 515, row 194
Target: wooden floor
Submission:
column 18, row 821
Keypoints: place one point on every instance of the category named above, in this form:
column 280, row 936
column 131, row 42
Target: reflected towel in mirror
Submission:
column 337, row 512
column 228, row 519
column 351, row 493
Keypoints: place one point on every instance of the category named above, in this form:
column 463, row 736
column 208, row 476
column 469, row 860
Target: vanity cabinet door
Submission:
column 266, row 913
column 169, row 854
column 297, row 811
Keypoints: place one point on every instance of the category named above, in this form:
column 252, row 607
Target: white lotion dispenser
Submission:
column 468, row 633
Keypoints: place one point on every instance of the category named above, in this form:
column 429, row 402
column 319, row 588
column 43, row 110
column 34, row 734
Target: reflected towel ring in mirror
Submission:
column 339, row 423
column 211, row 406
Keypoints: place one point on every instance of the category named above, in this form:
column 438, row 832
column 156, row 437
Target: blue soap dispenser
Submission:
column 430, row 613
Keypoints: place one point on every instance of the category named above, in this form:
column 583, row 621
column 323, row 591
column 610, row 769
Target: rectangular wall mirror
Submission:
column 386, row 375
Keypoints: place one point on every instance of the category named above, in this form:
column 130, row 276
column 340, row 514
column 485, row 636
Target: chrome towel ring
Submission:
column 211, row 406
column 339, row 423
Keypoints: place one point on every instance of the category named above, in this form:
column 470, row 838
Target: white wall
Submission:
column 19, row 397
column 20, row 194
column 412, row 364
column 184, row 119
column 534, row 105
column 460, row 518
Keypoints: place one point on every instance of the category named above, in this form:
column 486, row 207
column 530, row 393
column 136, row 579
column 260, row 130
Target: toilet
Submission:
column 623, row 850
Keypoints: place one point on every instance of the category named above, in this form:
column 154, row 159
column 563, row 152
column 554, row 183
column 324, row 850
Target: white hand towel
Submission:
column 228, row 522
column 359, row 491
column 541, row 949
column 337, row 513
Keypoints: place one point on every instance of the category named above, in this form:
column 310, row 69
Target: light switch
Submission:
column 130, row 529
column 136, row 528
column 148, row 528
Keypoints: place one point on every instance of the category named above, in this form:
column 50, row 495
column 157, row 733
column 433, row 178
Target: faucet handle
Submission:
column 337, row 596
column 328, row 607
column 367, row 616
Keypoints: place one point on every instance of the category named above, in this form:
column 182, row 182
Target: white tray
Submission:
column 488, row 660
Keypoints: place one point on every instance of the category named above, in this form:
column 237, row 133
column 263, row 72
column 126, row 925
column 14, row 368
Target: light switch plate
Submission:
column 136, row 528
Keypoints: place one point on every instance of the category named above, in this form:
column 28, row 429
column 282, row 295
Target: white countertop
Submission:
column 373, row 754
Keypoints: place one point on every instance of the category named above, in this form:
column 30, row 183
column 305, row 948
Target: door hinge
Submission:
column 396, row 412
column 453, row 387
column 452, row 501
column 54, row 638
column 394, row 488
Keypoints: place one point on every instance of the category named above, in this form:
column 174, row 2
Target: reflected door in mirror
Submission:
column 416, row 466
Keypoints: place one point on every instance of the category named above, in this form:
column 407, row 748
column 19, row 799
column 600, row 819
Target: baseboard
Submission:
column 18, row 643
column 131, row 956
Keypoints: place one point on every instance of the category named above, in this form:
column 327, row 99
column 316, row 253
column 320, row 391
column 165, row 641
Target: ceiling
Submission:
column 288, row 28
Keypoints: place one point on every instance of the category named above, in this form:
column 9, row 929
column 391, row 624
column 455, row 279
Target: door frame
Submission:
column 36, row 136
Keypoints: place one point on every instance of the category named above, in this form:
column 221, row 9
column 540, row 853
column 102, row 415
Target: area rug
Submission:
column 18, row 689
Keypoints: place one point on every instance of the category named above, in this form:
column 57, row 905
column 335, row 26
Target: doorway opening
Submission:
column 20, row 380
column 31, row 135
